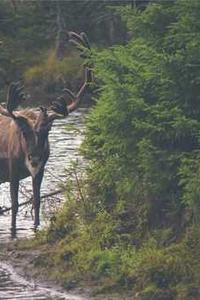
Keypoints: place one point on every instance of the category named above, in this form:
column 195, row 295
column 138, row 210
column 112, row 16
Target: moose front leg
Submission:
column 14, row 187
column 37, row 180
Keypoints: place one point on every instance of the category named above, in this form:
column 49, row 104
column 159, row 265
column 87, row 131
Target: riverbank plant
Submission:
column 137, row 225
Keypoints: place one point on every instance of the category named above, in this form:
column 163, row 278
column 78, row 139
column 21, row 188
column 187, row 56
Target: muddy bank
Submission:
column 23, row 263
column 20, row 265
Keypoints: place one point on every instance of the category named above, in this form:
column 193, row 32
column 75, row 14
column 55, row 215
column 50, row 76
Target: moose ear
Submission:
column 42, row 122
column 41, row 119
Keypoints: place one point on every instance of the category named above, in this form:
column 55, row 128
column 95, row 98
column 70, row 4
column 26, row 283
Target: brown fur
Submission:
column 13, row 155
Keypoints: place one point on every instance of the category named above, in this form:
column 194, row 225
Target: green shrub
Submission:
column 131, row 228
column 53, row 69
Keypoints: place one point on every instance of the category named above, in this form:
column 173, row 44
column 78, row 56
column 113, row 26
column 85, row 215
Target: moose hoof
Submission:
column 36, row 226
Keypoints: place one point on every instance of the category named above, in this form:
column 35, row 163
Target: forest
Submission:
column 133, row 226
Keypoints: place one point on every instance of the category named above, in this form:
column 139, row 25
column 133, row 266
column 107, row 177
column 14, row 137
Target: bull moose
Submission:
column 24, row 145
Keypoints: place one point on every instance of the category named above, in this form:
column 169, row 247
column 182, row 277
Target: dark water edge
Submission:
column 64, row 149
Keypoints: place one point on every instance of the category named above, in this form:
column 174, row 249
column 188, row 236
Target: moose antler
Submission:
column 59, row 106
column 15, row 96
column 71, row 107
column 81, row 42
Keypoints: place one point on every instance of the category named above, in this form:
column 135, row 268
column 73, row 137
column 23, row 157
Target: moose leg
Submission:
column 14, row 187
column 37, row 180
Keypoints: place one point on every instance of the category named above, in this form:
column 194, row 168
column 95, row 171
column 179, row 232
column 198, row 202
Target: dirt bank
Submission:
column 23, row 262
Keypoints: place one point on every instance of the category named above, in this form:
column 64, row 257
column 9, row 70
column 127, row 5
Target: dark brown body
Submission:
column 13, row 156
column 13, row 148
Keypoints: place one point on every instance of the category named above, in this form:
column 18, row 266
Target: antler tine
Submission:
column 89, row 77
column 70, row 93
column 10, row 94
column 79, row 40
column 78, row 46
column 85, row 39
column 71, row 107
column 15, row 96
column 59, row 107
column 76, row 37
column 19, row 95
column 82, row 88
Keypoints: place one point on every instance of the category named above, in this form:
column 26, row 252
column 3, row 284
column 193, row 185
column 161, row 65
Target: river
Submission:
column 64, row 149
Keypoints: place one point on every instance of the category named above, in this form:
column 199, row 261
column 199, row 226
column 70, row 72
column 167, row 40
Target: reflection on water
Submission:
column 64, row 149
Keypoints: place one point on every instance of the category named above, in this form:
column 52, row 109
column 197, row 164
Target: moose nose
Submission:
column 34, row 164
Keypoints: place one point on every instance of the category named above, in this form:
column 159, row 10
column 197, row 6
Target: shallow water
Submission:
column 64, row 149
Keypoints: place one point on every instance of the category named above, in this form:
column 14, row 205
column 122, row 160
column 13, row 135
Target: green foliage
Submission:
column 52, row 69
column 129, row 226
column 145, row 122
column 30, row 28
column 189, row 180
column 47, row 78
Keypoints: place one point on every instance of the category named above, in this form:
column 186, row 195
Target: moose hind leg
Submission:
column 14, row 187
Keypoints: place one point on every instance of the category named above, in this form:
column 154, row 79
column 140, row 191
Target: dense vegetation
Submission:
column 34, row 43
column 133, row 222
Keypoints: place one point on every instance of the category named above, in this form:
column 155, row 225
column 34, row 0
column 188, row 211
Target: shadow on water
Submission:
column 64, row 149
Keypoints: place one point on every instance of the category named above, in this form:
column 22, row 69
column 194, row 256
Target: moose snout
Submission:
column 34, row 164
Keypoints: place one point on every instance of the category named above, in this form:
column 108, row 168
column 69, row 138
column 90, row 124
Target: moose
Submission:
column 24, row 145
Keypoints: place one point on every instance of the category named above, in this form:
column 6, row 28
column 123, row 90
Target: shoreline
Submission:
column 21, row 263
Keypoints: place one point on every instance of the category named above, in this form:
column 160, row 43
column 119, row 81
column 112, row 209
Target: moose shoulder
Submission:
column 24, row 145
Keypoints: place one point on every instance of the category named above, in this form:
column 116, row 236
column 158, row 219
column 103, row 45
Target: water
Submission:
column 64, row 149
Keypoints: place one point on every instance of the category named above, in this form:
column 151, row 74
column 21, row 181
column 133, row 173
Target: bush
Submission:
column 131, row 228
column 48, row 78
